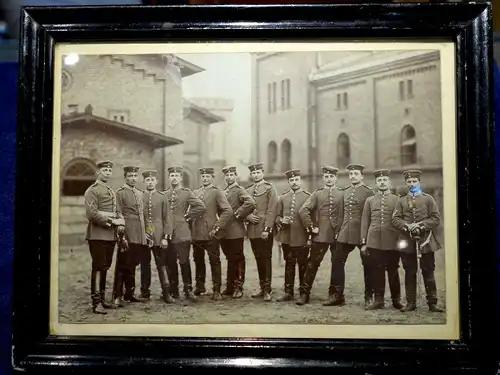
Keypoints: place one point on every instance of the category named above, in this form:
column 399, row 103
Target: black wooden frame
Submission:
column 469, row 25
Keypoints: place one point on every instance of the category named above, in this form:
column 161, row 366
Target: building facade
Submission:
column 128, row 109
column 378, row 108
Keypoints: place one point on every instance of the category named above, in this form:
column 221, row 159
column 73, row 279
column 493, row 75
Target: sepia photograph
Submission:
column 293, row 190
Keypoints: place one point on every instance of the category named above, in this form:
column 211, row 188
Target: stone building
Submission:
column 128, row 109
column 378, row 108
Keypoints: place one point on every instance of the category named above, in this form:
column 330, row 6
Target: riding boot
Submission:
column 216, row 280
column 97, row 307
column 165, row 286
column 102, row 291
column 267, row 276
column 260, row 272
column 187, row 281
column 302, row 272
column 289, row 281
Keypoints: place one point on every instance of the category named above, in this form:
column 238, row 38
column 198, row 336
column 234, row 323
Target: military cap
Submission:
column 229, row 168
column 131, row 168
column 411, row 173
column 207, row 170
column 292, row 173
column 355, row 167
column 329, row 169
column 175, row 169
column 381, row 172
column 104, row 164
column 150, row 173
column 256, row 167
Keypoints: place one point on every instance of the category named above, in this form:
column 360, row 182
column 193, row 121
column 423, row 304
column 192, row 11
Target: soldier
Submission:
column 417, row 215
column 130, row 205
column 349, row 237
column 159, row 227
column 233, row 235
column 260, row 227
column 379, row 240
column 103, row 223
column 321, row 215
column 185, row 207
column 291, row 233
column 205, row 229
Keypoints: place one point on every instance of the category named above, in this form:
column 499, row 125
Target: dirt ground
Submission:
column 74, row 298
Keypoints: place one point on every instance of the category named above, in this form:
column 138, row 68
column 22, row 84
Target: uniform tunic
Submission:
column 217, row 214
column 242, row 205
column 323, row 209
column 289, row 204
column 157, row 216
column 266, row 203
column 184, row 206
column 100, row 205
column 421, row 208
column 377, row 230
column 131, row 206
column 353, row 204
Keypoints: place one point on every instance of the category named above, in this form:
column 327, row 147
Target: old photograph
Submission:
column 255, row 190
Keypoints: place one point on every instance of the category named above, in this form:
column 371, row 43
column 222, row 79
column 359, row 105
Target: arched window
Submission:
column 343, row 150
column 77, row 176
column 272, row 157
column 286, row 155
column 408, row 145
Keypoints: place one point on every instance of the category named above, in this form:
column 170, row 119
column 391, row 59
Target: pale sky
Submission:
column 227, row 76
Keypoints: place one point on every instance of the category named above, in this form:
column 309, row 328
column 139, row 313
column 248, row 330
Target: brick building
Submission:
column 129, row 109
column 378, row 108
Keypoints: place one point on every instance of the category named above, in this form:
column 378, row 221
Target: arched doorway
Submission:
column 343, row 150
column 408, row 145
column 77, row 176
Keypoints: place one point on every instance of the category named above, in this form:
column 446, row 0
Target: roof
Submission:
column 88, row 120
column 208, row 116
column 188, row 68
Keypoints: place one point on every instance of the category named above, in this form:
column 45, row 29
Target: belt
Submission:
column 107, row 214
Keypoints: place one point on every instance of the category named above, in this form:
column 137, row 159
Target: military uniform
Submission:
column 266, row 201
column 380, row 237
column 130, row 205
column 204, row 232
column 185, row 207
column 349, row 238
column 292, row 235
column 322, row 210
column 159, row 227
column 421, row 209
column 101, row 210
column 233, row 235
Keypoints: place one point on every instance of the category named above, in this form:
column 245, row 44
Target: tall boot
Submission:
column 102, row 291
column 431, row 292
column 289, row 281
column 95, row 278
column 200, row 273
column 187, row 281
column 118, row 283
column 302, row 272
column 309, row 276
column 267, row 275
column 239, row 279
column 216, row 280
column 173, row 275
column 411, row 292
column 395, row 289
column 165, row 286
column 261, row 278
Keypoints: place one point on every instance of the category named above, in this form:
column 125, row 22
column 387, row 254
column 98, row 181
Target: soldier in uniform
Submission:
column 416, row 216
column 205, row 230
column 379, row 238
column 130, row 205
column 185, row 207
column 349, row 237
column 291, row 233
column 321, row 215
column 159, row 227
column 260, row 227
column 233, row 235
column 104, row 221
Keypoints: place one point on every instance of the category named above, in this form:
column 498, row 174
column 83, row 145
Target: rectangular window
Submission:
column 409, row 89
column 346, row 101
column 274, row 97
column 283, row 94
column 269, row 99
column 339, row 101
column 288, row 94
column 401, row 90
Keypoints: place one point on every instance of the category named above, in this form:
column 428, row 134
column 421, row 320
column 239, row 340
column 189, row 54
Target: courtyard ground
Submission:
column 74, row 298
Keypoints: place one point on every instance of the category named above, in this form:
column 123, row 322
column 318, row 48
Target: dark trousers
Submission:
column 145, row 265
column 318, row 251
column 161, row 261
column 236, row 264
column 294, row 256
column 427, row 265
column 101, row 253
column 339, row 258
column 179, row 252
column 126, row 261
column 263, row 252
column 382, row 261
column 212, row 249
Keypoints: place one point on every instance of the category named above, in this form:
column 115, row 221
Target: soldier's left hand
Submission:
column 163, row 243
column 120, row 229
column 264, row 235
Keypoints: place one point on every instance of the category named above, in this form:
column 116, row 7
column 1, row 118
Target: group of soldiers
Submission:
column 385, row 227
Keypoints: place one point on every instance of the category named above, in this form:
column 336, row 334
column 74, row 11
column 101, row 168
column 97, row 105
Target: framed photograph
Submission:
column 301, row 186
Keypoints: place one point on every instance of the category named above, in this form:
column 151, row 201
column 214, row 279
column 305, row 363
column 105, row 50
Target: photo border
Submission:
column 468, row 25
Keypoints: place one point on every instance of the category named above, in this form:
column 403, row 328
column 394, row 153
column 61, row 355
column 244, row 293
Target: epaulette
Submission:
column 162, row 192
column 120, row 188
column 267, row 183
column 94, row 184
column 286, row 192
column 305, row 191
column 318, row 189
column 343, row 188
column 368, row 187
column 166, row 191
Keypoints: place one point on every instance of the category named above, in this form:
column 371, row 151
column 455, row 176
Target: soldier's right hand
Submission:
column 163, row 243
column 254, row 219
column 363, row 250
column 285, row 220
